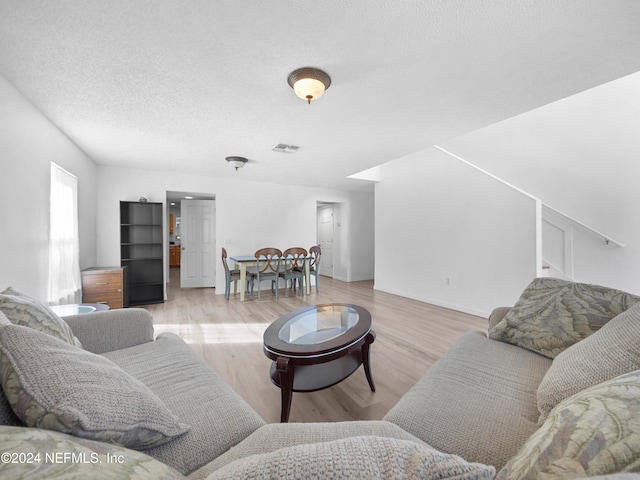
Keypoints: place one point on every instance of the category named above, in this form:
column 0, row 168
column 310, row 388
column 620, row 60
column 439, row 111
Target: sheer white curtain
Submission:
column 64, row 246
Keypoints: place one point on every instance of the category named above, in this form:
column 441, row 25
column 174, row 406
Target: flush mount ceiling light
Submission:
column 236, row 162
column 309, row 83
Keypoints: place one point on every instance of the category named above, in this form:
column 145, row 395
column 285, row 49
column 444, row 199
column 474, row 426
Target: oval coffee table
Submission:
column 316, row 347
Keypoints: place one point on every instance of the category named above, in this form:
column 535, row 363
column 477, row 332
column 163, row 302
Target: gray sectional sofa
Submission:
column 559, row 398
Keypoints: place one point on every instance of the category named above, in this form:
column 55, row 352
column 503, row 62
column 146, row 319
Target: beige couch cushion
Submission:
column 478, row 401
column 109, row 330
column 553, row 314
column 362, row 457
column 24, row 310
column 611, row 351
column 276, row 436
column 46, row 454
column 594, row 432
column 218, row 416
column 54, row 385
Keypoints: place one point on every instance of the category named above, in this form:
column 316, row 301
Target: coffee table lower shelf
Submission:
column 310, row 378
column 313, row 374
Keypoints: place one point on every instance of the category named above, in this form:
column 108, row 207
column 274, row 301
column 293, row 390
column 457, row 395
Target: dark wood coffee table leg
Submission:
column 285, row 371
column 369, row 339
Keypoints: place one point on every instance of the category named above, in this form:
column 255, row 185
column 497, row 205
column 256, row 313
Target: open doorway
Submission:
column 191, row 238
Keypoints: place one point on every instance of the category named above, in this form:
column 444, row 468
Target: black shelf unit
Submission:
column 141, row 250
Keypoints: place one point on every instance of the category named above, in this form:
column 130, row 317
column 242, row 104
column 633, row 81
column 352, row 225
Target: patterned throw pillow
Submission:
column 612, row 351
column 553, row 314
column 361, row 457
column 47, row 454
column 24, row 310
column 7, row 417
column 51, row 384
column 595, row 432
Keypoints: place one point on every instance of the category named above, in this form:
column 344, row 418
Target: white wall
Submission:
column 579, row 155
column 609, row 265
column 353, row 238
column 29, row 142
column 362, row 236
column 249, row 215
column 437, row 218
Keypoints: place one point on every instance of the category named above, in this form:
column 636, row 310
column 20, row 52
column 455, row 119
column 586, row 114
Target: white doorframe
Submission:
column 557, row 245
column 326, row 234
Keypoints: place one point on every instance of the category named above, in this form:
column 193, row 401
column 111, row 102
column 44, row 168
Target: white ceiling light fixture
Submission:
column 309, row 83
column 236, row 162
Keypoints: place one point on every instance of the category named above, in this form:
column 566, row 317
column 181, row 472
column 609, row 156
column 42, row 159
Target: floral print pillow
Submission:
column 595, row 432
column 51, row 384
column 24, row 310
column 553, row 314
column 39, row 453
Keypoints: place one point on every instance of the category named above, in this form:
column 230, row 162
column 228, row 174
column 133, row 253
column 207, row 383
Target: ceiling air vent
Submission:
column 284, row 148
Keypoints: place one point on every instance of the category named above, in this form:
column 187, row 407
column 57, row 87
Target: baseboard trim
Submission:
column 438, row 303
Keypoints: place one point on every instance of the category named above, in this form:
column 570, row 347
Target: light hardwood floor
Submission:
column 411, row 336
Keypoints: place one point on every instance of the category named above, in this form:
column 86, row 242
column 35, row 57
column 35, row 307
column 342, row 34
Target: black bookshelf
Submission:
column 141, row 251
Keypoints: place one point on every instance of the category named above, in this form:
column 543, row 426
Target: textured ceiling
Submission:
column 180, row 85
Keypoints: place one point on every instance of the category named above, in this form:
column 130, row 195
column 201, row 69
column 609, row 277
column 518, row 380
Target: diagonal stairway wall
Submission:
column 471, row 234
column 580, row 156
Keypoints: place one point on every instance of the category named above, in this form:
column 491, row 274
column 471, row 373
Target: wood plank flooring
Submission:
column 411, row 336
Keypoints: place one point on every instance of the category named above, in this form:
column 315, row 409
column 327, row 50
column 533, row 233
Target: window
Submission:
column 64, row 246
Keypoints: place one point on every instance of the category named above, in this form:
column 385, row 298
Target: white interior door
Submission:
column 325, row 238
column 557, row 245
column 197, row 255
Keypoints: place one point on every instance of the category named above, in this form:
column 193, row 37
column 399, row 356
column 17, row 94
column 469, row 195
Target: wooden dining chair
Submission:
column 292, row 268
column 229, row 276
column 314, row 262
column 267, row 268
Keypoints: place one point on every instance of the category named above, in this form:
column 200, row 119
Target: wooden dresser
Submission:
column 105, row 285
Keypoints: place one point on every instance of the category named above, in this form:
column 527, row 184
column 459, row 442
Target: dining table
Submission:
column 244, row 261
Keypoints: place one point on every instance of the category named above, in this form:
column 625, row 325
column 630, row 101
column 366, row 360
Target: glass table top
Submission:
column 67, row 310
column 319, row 325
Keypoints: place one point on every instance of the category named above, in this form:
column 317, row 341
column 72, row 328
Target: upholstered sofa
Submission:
column 491, row 397
column 553, row 389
